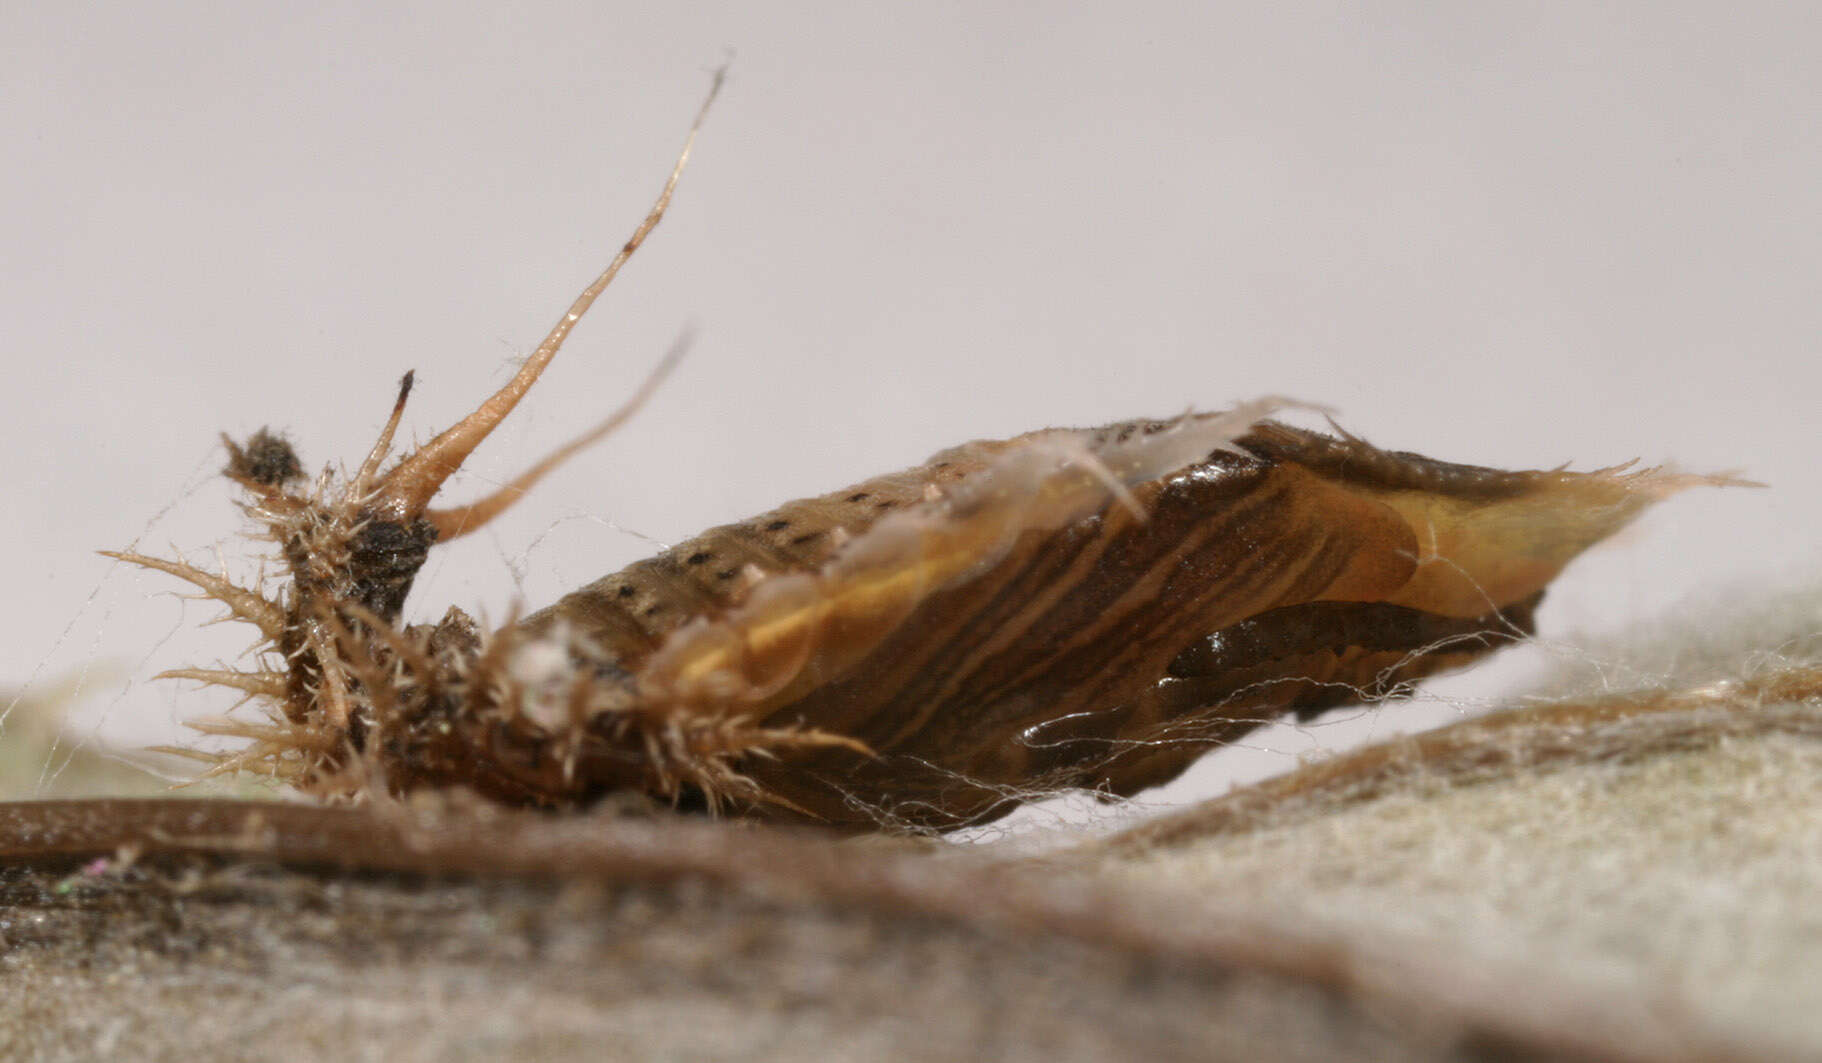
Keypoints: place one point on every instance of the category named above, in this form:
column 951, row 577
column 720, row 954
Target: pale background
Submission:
column 1512, row 234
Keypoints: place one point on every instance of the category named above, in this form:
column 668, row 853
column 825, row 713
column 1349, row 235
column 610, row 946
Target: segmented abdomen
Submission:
column 630, row 612
column 1082, row 653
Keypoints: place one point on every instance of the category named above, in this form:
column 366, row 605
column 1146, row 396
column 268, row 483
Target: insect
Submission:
column 1068, row 608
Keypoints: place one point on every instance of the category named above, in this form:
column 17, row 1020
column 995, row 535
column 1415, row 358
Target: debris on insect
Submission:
column 1066, row 609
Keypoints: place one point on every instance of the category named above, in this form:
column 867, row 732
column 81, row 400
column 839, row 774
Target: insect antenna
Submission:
column 406, row 491
column 363, row 479
column 459, row 521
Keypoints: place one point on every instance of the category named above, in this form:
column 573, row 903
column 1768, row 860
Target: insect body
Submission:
column 1069, row 608
column 976, row 632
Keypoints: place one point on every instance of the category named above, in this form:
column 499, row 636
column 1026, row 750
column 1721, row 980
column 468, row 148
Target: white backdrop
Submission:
column 1509, row 234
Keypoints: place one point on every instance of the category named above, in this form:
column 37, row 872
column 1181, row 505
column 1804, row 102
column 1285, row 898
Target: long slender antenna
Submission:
column 457, row 522
column 407, row 490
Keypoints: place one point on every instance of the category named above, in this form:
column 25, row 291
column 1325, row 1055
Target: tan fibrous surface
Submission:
column 1612, row 878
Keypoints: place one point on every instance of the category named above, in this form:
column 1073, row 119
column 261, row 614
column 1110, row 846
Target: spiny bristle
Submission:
column 245, row 604
column 259, row 759
column 287, row 733
column 265, row 684
column 412, row 653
